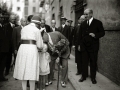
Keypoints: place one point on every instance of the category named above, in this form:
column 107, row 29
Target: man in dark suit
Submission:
column 92, row 29
column 78, row 57
column 3, row 51
column 64, row 29
column 8, row 28
column 44, row 26
column 71, row 33
column 53, row 28
column 17, row 35
column 64, row 51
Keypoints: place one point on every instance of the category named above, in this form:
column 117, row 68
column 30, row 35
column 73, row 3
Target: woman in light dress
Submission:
column 27, row 60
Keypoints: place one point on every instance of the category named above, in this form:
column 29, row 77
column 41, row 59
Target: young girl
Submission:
column 44, row 67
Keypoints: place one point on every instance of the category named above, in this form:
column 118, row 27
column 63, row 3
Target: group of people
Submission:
column 87, row 34
column 36, row 46
column 6, row 45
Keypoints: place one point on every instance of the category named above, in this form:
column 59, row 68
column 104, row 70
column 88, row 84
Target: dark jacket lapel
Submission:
column 19, row 29
column 55, row 29
column 92, row 23
column 64, row 28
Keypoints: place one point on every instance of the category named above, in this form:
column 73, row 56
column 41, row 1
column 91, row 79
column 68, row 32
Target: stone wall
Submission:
column 109, row 56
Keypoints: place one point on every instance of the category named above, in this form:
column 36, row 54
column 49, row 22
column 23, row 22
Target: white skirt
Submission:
column 27, row 63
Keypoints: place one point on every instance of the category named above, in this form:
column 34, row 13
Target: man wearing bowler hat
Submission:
column 64, row 29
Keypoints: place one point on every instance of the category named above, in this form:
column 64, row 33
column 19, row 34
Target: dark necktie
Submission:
column 88, row 22
column 42, row 33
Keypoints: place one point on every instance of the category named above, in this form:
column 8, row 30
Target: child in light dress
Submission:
column 44, row 67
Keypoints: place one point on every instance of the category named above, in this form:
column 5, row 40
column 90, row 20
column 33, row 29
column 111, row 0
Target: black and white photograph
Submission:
column 59, row 44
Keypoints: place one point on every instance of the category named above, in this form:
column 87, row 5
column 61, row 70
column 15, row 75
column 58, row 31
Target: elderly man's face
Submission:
column 42, row 23
column 37, row 25
column 88, row 14
column 82, row 19
column 69, row 23
column 63, row 21
column 23, row 22
column 53, row 24
column 12, row 19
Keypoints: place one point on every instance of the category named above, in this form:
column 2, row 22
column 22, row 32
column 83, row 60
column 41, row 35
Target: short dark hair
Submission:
column 29, row 18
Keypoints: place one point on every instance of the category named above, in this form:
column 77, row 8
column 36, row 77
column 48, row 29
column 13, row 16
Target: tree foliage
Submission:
column 4, row 12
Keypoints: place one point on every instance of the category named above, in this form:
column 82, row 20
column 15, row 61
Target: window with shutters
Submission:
column 34, row 9
column 18, row 8
column 26, row 10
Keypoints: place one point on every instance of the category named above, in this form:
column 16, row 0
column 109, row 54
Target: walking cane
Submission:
column 58, row 75
column 58, row 71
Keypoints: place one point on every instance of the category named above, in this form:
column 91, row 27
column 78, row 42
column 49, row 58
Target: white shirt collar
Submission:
column 41, row 29
column 90, row 20
column 11, row 24
column 0, row 24
column 63, row 25
column 53, row 28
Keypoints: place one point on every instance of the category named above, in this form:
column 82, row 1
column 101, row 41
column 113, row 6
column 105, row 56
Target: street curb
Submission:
column 72, row 82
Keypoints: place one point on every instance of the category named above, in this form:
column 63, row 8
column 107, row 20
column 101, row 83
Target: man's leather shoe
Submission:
column 93, row 81
column 78, row 73
column 63, row 84
column 4, row 79
column 82, row 79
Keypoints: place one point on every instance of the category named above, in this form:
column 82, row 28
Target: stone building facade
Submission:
column 61, row 8
column 31, row 7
